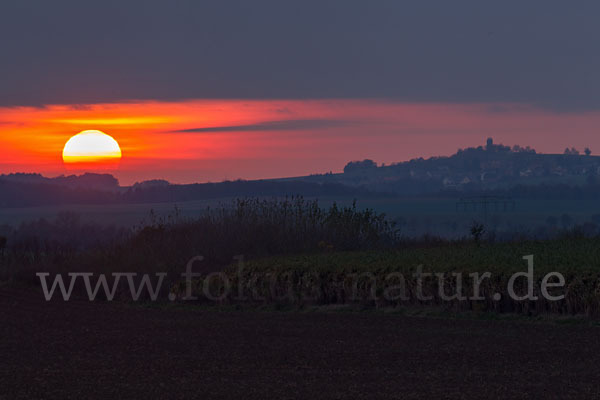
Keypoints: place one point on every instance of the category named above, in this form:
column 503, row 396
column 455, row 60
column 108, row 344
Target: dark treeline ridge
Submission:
column 44, row 191
column 70, row 191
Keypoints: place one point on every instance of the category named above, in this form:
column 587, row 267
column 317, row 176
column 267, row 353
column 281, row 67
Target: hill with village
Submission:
column 484, row 168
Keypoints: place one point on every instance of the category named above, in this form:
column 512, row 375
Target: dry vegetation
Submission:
column 296, row 250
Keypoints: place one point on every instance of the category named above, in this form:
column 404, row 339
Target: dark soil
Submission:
column 78, row 349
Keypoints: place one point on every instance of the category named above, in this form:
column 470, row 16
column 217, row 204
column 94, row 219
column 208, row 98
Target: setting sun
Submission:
column 91, row 146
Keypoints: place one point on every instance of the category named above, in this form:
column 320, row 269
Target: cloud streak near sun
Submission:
column 210, row 140
column 265, row 126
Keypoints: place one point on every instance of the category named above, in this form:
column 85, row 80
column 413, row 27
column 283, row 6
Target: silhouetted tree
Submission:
column 477, row 231
column 2, row 245
column 360, row 166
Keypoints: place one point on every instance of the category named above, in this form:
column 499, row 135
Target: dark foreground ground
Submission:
column 81, row 350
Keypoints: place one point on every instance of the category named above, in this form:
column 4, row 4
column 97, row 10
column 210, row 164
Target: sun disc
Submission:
column 91, row 146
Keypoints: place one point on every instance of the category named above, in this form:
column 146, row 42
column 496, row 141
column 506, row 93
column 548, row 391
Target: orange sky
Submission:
column 276, row 138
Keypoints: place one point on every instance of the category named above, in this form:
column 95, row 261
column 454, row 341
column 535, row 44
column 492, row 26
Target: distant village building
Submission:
column 525, row 173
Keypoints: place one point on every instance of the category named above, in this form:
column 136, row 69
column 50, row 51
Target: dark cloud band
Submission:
column 537, row 52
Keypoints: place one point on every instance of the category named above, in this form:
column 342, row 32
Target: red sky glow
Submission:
column 213, row 140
